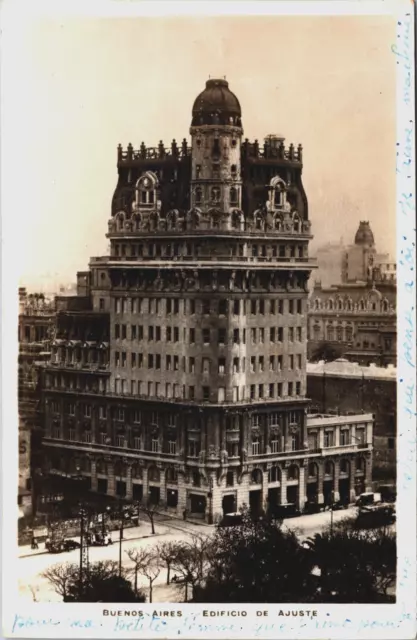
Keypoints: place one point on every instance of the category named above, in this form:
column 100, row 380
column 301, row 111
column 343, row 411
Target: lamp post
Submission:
column 103, row 521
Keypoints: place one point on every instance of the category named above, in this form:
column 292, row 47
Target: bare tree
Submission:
column 151, row 571
column 34, row 591
column 168, row 551
column 61, row 576
column 140, row 558
column 191, row 561
column 150, row 510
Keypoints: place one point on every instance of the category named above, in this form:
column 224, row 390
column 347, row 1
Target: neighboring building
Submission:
column 330, row 259
column 345, row 387
column 178, row 372
column 358, row 315
column 36, row 318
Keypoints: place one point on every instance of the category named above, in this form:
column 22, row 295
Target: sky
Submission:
column 79, row 86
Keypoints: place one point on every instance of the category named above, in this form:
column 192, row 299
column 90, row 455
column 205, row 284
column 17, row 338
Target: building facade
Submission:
column 346, row 388
column 36, row 319
column 357, row 316
column 178, row 372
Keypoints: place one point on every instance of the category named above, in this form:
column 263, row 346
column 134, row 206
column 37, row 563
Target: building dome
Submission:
column 364, row 235
column 216, row 105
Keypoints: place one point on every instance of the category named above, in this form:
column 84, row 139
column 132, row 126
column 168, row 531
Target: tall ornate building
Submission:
column 178, row 372
column 358, row 314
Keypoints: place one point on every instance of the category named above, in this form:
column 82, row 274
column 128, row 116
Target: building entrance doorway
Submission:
column 172, row 498
column 255, row 502
column 328, row 491
column 292, row 494
column 121, row 489
column 154, row 495
column 137, row 492
column 102, row 485
column 312, row 493
column 229, row 504
column 344, row 491
column 197, row 504
column 274, row 497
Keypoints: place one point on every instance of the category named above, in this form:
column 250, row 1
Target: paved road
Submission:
column 33, row 586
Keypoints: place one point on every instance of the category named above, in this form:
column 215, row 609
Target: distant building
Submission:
column 330, row 258
column 345, row 388
column 357, row 315
column 36, row 320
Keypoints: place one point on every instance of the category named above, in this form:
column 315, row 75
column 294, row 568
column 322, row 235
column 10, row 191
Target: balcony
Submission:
column 85, row 367
column 104, row 449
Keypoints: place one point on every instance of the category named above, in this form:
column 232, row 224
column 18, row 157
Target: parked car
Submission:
column 376, row 516
column 70, row 545
column 368, row 498
column 313, row 507
column 231, row 520
column 282, row 511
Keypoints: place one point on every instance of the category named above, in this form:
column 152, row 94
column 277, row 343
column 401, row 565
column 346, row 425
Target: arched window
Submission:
column 344, row 466
column 349, row 334
column 316, row 332
column 292, row 473
column 137, row 221
column 198, row 195
column 360, row 465
column 328, row 468
column 154, row 474
column 153, row 221
column 362, row 305
column 312, row 470
column 297, row 222
column 278, row 193
column 215, row 194
column 171, row 475
column 330, row 304
column 384, row 305
column 339, row 333
column 101, row 467
column 236, row 220
column 330, row 332
column 234, row 195
column 278, row 223
column 120, row 221
column 274, row 474
column 146, row 189
column 317, row 304
column 256, row 477
column 340, row 304
column 136, row 472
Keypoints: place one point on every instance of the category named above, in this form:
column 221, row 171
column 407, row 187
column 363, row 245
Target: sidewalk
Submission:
column 144, row 530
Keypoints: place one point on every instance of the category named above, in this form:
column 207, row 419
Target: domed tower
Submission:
column 364, row 236
column 216, row 133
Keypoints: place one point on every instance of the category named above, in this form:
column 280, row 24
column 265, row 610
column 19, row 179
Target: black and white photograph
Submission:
column 203, row 223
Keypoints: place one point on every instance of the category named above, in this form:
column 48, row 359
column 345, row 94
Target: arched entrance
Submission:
column 360, row 475
column 154, row 480
column 312, row 483
column 292, row 484
column 344, row 481
column 255, row 492
column 328, row 482
column 274, row 488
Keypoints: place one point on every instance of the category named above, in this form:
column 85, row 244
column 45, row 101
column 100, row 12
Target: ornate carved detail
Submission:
column 202, row 457
column 224, row 457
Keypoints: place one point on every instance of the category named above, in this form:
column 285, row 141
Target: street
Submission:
column 34, row 587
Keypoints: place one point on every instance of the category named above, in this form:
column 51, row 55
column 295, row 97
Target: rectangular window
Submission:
column 291, row 334
column 252, row 392
column 262, row 335
column 140, row 360
column 157, row 361
column 191, row 393
column 124, row 332
column 116, row 359
column 235, row 365
column 291, row 306
column 150, row 361
column 176, row 306
column 176, row 363
column 71, row 435
column 176, row 334
column 192, row 336
column 290, row 388
column 235, row 394
column 236, row 307
column 291, row 362
column 169, row 334
column 168, row 363
column 253, row 307
column 280, row 334
column 272, row 334
column 261, row 391
column 140, row 332
column 272, row 363
column 279, row 389
column 169, row 306
column 299, row 334
column 299, row 306
column 299, row 361
column 328, row 438
column 120, row 441
column 261, row 363
column 262, row 307
column 137, row 442
column 222, row 307
column 206, row 393
column 221, row 395
column 272, row 390
column 102, row 413
column 252, row 364
column 360, row 435
column 275, row 446
column 157, row 334
column 150, row 333
column 281, row 306
column 134, row 332
column 236, row 336
column 191, row 365
column 253, row 336
column 206, row 307
column 193, row 448
column 117, row 331
column 222, row 365
column 222, row 336
column 298, row 388
column 155, row 445
column 87, row 411
column 206, row 336
column 344, row 437
column 255, row 447
column 133, row 360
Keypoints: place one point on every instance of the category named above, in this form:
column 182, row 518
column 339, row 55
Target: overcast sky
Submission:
column 81, row 86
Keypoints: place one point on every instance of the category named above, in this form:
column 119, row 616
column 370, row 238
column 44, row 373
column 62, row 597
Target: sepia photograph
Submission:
column 206, row 257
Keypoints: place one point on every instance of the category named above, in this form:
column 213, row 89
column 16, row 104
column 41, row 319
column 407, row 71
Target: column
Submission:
column 265, row 475
column 111, row 485
column 182, row 493
column 283, row 485
column 321, row 438
column 352, row 480
column 216, row 501
column 94, row 485
column 129, row 484
column 320, row 495
column 145, row 485
column 337, row 436
column 369, row 430
column 368, row 473
column 301, row 489
column 163, row 488
column 336, row 494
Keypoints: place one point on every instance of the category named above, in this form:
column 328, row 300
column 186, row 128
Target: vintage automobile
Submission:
column 376, row 516
column 231, row 520
column 283, row 511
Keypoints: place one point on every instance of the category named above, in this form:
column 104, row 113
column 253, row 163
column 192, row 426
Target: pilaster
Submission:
column 129, row 484
column 352, row 480
column 283, row 485
column 301, row 489
column 94, row 485
column 111, row 485
column 320, row 477
column 336, row 494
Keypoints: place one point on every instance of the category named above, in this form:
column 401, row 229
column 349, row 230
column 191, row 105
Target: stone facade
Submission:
column 178, row 373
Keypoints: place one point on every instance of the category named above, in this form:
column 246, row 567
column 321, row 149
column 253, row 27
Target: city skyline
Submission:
column 120, row 92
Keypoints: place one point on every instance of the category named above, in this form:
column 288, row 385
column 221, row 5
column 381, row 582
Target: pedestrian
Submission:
column 184, row 514
column 34, row 543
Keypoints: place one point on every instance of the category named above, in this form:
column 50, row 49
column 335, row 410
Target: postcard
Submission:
column 209, row 322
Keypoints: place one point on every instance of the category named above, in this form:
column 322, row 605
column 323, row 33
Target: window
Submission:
column 252, row 392
column 56, row 432
column 169, row 334
column 191, row 393
column 229, row 479
column 71, row 435
column 234, row 197
column 193, row 448
column 344, row 437
column 124, row 332
column 253, row 336
column 172, row 447
column 222, row 336
column 235, row 394
column 150, row 361
column 191, row 365
column 290, row 388
column 261, row 364
column 117, row 331
column 102, row 413
column 176, row 363
column 206, row 336
column 140, row 332
column 272, row 334
column 328, row 438
column 261, row 391
column 279, row 389
column 291, row 334
column 255, row 447
column 272, row 363
column 253, row 307
column 120, row 441
column 235, row 365
column 236, row 336
column 299, row 334
column 275, row 446
column 360, row 435
column 192, row 336
column 155, row 445
column 236, row 307
column 116, row 359
column 176, row 334
column 221, row 395
column 222, row 307
column 298, row 388
column 71, row 409
column 222, row 365
column 206, row 393
column 280, row 332
column 205, row 365
column 291, row 362
column 253, row 364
